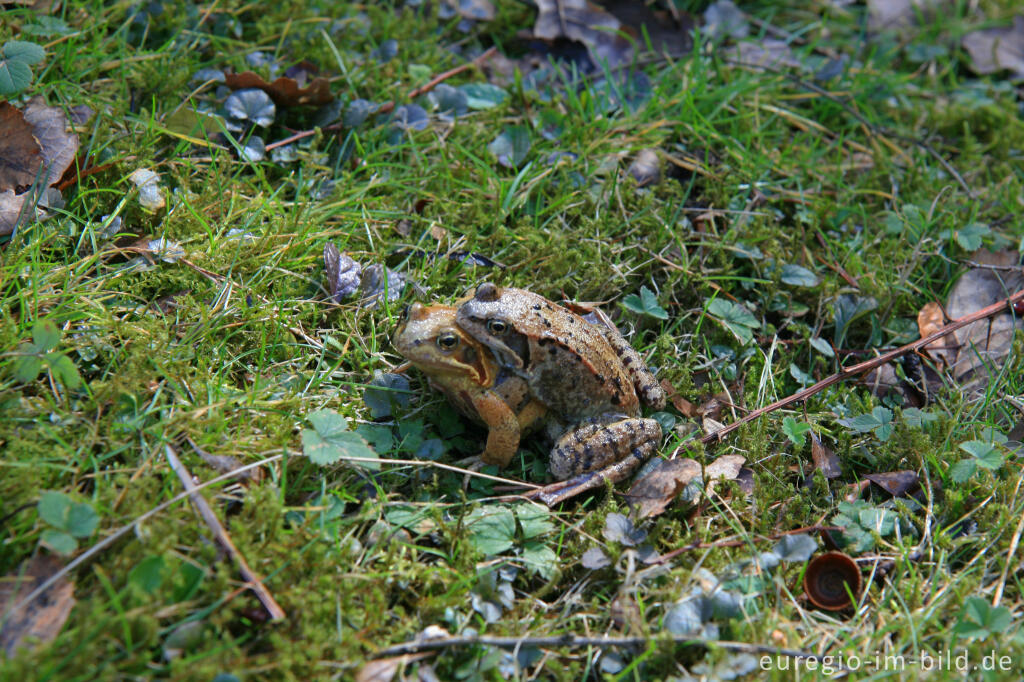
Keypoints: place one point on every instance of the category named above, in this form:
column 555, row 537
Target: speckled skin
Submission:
column 467, row 374
column 587, row 375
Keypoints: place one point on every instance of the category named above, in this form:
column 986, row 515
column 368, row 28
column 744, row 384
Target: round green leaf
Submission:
column 15, row 76
column 82, row 520
column 59, row 541
column 23, row 51
column 54, row 508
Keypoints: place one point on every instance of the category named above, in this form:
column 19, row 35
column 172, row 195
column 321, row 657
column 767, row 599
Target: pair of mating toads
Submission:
column 517, row 362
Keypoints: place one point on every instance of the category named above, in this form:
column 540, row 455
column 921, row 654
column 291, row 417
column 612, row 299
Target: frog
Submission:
column 463, row 370
column 585, row 374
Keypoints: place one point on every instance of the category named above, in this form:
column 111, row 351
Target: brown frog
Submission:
column 587, row 375
column 461, row 368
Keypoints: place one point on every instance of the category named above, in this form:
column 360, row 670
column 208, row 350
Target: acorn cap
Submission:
column 826, row 580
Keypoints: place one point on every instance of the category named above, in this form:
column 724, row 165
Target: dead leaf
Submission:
column 20, row 156
column 49, row 127
column 646, row 168
column 930, row 320
column 384, row 669
column 726, row 466
column 652, row 494
column 403, row 227
column 883, row 14
column 824, row 459
column 896, row 483
column 285, row 92
column 343, row 273
column 685, row 407
column 745, row 479
column 438, row 232
column 586, row 23
column 995, row 49
column 44, row 617
column 986, row 343
column 11, row 207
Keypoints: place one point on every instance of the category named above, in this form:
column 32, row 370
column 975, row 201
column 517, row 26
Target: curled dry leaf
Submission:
column 652, row 494
column 930, row 320
column 20, row 156
column 49, row 127
column 995, row 49
column 148, row 183
column 285, row 91
column 586, row 23
column 685, row 407
column 896, row 483
column 41, row 620
column 824, row 458
column 726, row 466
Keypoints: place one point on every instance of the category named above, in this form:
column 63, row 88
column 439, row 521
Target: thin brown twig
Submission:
column 573, row 641
column 389, row 106
column 253, row 581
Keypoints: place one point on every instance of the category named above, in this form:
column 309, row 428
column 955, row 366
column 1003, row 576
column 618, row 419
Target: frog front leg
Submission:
column 602, row 442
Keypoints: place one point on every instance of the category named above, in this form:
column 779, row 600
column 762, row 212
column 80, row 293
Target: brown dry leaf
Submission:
column 43, row 618
column 403, row 227
column 11, row 207
column 824, row 458
column 745, row 479
column 285, row 91
column 883, row 14
column 896, row 483
column 49, row 127
column 438, row 232
column 20, row 156
column 586, row 23
column 726, row 466
column 652, row 494
column 995, row 49
column 685, row 407
column 384, row 669
column 930, row 320
column 986, row 343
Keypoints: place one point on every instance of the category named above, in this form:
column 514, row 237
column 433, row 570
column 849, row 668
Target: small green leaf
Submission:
column 492, row 530
column 329, row 440
column 23, row 51
column 58, row 541
column 798, row 547
column 483, row 95
column 797, row 275
column 918, row 418
column 82, row 520
column 969, row 236
column 822, row 346
column 148, row 574
column 962, row 471
column 735, row 317
column 535, row 521
column 511, row 147
column 985, row 454
column 645, row 304
column 54, row 508
column 794, row 430
column 14, row 77
column 979, row 619
column 862, row 423
column 26, row 367
column 63, row 369
column 539, row 558
column 45, row 335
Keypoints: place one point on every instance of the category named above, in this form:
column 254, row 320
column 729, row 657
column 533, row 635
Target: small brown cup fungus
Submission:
column 826, row 580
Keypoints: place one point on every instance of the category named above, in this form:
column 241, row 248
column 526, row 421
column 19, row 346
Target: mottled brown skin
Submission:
column 587, row 375
column 461, row 368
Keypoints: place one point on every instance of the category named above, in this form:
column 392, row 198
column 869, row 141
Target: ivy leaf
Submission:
column 329, row 440
column 735, row 317
column 645, row 304
column 45, row 335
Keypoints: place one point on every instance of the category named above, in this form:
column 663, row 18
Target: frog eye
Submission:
column 447, row 340
column 497, row 327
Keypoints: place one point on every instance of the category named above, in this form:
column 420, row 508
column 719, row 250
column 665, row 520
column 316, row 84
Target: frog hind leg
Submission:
column 622, row 442
column 644, row 381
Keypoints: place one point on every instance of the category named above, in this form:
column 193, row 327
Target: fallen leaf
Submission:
column 685, row 407
column 49, row 127
column 726, row 466
column 896, row 483
column 745, row 479
column 595, row 558
column 11, row 207
column 343, row 273
column 285, row 91
column 438, row 232
column 985, row 343
column 883, row 14
column 652, row 494
column 646, row 168
column 20, row 156
column 930, row 320
column 44, row 617
column 586, row 23
column 148, row 183
column 824, row 459
column 995, row 49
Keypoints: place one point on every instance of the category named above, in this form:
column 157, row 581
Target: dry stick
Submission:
column 389, row 106
column 559, row 492
column 123, row 530
column 573, row 641
column 252, row 580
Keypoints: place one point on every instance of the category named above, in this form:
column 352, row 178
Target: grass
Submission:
column 236, row 344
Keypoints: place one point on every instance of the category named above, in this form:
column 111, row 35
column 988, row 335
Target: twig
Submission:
column 389, row 106
column 559, row 492
column 252, row 580
column 123, row 530
column 574, row 641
